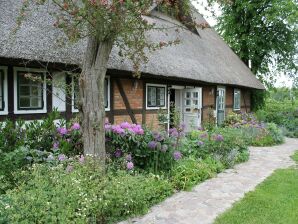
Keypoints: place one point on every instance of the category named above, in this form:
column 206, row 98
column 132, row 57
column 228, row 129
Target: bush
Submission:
column 79, row 193
column 254, row 132
column 153, row 151
column 224, row 144
column 189, row 172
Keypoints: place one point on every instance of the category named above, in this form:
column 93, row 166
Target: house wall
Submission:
column 127, row 98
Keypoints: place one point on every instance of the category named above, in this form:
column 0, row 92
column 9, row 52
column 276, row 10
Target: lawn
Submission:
column 274, row 201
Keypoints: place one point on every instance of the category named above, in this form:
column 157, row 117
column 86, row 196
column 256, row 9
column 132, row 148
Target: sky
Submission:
column 201, row 5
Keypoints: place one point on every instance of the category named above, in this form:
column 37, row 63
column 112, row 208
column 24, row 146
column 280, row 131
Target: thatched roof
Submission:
column 205, row 58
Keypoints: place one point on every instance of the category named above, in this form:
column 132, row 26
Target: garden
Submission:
column 46, row 178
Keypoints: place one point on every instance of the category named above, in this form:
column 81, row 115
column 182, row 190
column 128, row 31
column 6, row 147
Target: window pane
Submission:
column 25, row 90
column 187, row 94
column 35, row 102
column 23, row 79
column 24, row 102
column 151, row 96
column 237, row 101
column 187, row 102
column 195, row 95
column 160, row 97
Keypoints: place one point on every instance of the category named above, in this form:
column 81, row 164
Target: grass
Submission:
column 275, row 201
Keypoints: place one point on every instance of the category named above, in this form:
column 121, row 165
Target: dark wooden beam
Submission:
column 125, row 100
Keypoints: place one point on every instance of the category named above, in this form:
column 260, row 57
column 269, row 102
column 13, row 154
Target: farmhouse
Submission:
column 199, row 75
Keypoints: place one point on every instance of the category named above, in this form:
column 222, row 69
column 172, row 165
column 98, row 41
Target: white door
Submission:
column 221, row 98
column 192, row 106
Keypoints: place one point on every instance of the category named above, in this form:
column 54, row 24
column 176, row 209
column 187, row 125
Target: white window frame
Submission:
column 74, row 110
column 239, row 92
column 166, row 99
column 5, row 91
column 44, row 89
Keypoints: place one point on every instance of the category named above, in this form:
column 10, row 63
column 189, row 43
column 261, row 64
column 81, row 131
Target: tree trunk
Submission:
column 92, row 106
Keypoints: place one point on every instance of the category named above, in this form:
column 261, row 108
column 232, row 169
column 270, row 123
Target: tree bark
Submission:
column 92, row 106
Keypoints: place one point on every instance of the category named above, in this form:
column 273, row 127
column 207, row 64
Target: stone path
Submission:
column 212, row 197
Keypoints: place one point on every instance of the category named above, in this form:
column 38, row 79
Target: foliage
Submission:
column 263, row 32
column 189, row 172
column 35, row 142
column 282, row 109
column 80, row 194
column 273, row 201
column 254, row 132
column 153, row 151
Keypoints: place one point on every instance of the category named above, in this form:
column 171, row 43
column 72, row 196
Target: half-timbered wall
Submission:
column 127, row 96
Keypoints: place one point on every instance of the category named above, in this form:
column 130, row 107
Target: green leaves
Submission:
column 263, row 32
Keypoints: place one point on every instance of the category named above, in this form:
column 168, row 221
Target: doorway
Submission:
column 188, row 103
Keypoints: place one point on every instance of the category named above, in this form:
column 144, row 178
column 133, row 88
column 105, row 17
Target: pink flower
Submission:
column 125, row 125
column 129, row 165
column 62, row 131
column 76, row 126
column 117, row 129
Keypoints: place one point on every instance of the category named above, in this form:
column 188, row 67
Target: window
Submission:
column 30, row 91
column 237, row 99
column 76, row 91
column 156, row 96
column 3, row 91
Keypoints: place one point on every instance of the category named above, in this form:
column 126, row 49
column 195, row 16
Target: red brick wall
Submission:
column 134, row 92
column 208, row 93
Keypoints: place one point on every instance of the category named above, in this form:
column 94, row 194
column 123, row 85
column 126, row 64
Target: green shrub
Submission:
column 80, row 194
column 189, row 172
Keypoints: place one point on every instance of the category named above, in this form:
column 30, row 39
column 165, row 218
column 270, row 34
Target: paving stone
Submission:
column 209, row 199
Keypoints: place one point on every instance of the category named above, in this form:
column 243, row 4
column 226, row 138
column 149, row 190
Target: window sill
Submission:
column 30, row 112
column 156, row 108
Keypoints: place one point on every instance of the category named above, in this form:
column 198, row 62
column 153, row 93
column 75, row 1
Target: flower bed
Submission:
column 143, row 167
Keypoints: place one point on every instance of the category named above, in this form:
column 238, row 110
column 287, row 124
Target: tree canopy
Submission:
column 262, row 32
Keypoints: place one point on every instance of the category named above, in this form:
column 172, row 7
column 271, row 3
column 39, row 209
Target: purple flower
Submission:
column 204, row 135
column 125, row 125
column 152, row 145
column 129, row 165
column 76, row 126
column 118, row 153
column 177, row 155
column 56, row 145
column 61, row 157
column 117, row 129
column 173, row 132
column 129, row 157
column 62, row 131
column 219, row 138
column 82, row 159
column 108, row 127
column 182, row 126
column 137, row 129
column 200, row 143
column 164, row 148
column 157, row 136
column 69, row 168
